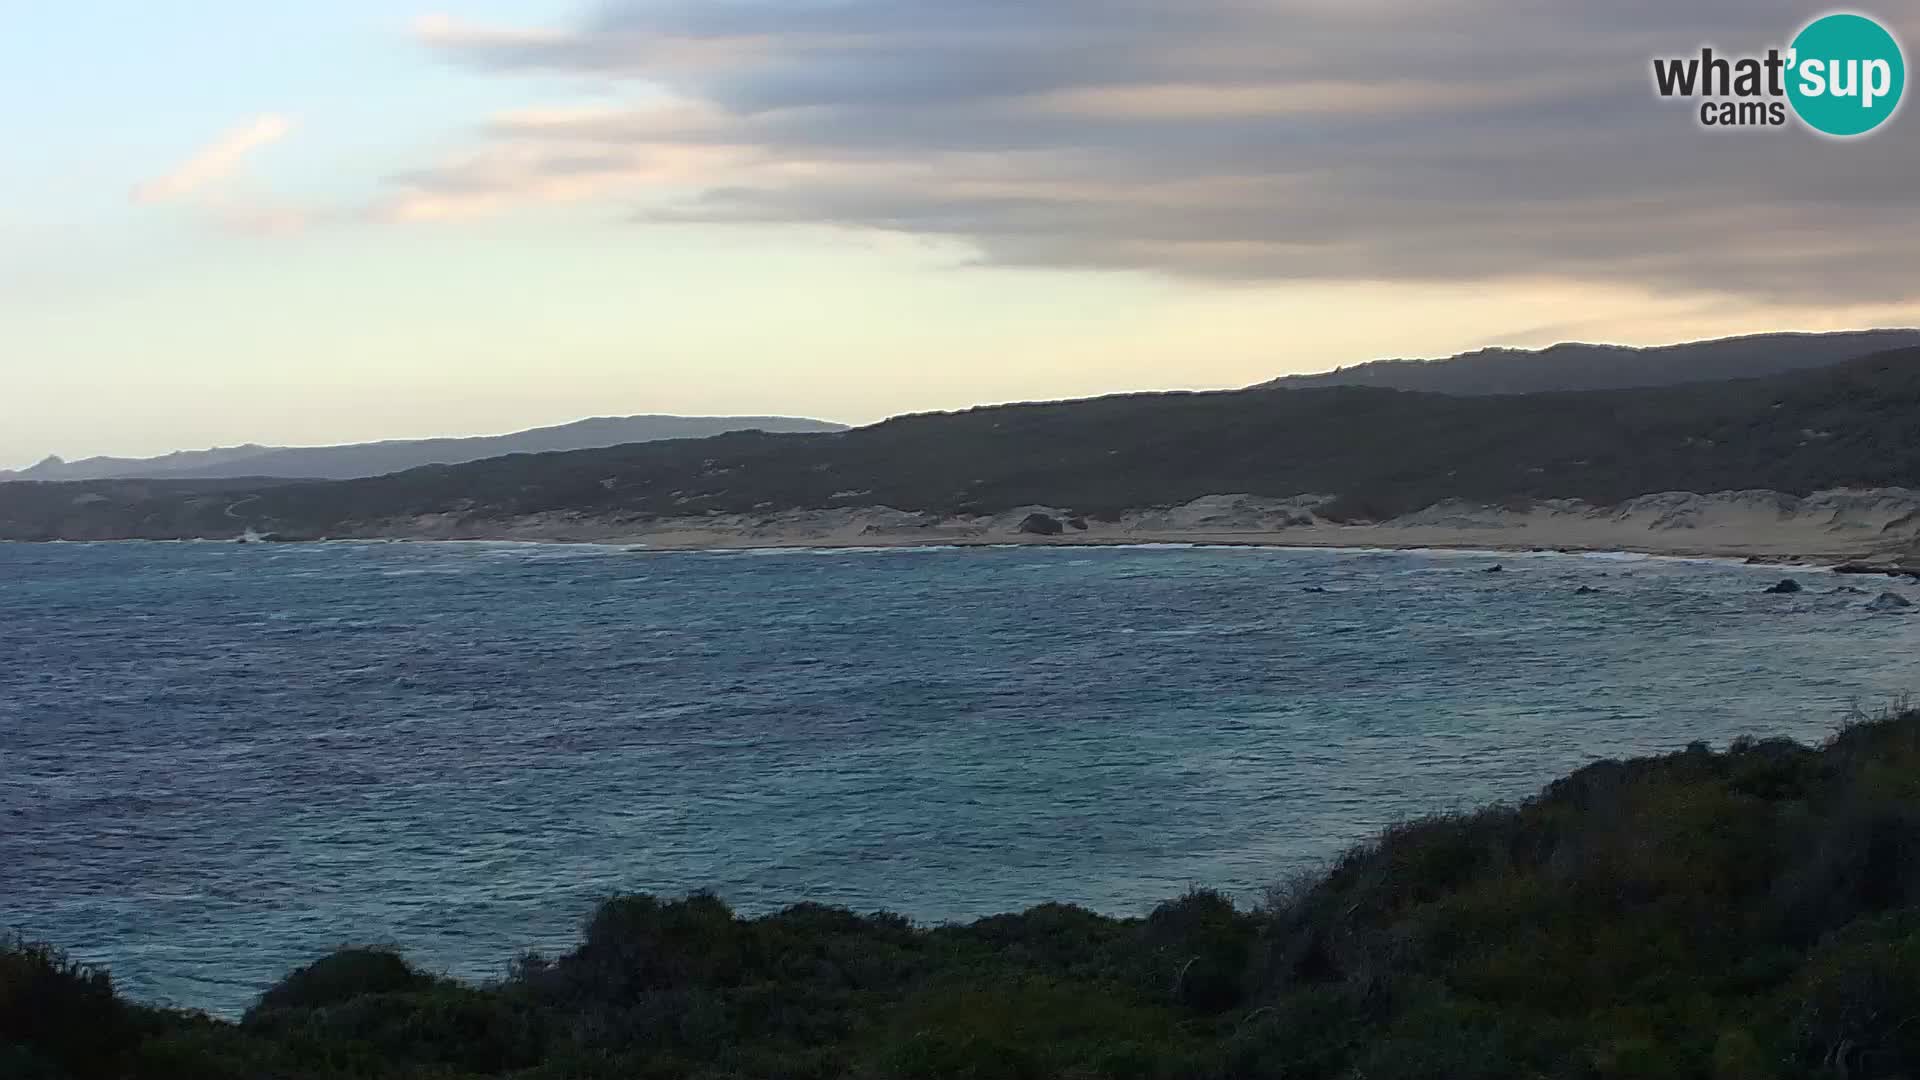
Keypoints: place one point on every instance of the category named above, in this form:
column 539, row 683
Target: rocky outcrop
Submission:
column 1041, row 525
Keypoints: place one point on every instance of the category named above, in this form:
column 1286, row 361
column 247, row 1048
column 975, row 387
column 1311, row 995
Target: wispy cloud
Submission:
column 213, row 162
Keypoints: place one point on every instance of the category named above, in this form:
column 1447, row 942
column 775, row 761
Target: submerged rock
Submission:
column 1889, row 567
column 1787, row 585
column 1887, row 601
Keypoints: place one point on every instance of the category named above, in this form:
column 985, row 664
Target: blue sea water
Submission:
column 219, row 761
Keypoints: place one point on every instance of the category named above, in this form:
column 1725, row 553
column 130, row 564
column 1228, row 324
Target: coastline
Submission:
column 644, row 543
column 1460, row 545
column 1868, row 530
column 1871, row 531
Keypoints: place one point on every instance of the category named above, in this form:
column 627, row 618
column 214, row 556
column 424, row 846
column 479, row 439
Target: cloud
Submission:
column 265, row 219
column 214, row 162
column 1269, row 140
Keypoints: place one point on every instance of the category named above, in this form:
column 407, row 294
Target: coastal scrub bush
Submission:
column 1062, row 939
column 341, row 976
column 1859, row 1000
column 1027, row 1029
column 1207, row 944
column 59, row 1016
column 1752, row 913
column 472, row 1030
column 638, row 944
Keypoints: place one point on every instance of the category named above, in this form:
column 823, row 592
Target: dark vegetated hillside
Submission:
column 1385, row 452
column 1579, row 366
column 1746, row 914
column 118, row 509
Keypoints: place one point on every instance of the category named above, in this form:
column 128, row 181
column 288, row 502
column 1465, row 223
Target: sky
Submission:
column 306, row 222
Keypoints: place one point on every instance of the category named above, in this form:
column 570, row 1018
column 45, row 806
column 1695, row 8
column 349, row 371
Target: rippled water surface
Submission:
column 217, row 761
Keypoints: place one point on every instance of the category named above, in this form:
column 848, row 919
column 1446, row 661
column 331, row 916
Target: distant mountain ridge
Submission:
column 1374, row 454
column 357, row 460
column 1581, row 366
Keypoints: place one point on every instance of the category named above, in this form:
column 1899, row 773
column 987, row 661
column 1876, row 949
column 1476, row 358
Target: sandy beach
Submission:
column 1879, row 527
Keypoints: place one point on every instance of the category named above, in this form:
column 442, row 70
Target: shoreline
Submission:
column 1864, row 563
column 1863, row 531
column 1821, row 560
column 1879, row 528
column 637, row 546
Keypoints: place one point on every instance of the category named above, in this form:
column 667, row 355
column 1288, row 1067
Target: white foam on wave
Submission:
column 894, row 549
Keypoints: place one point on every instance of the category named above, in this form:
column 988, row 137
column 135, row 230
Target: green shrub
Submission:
column 1206, row 945
column 473, row 1030
column 1739, row 1055
column 21, row 1063
column 1059, row 938
column 341, row 976
column 1861, row 858
column 1309, row 1033
column 1032, row 1028
column 182, row 1047
column 1859, row 1000
column 637, row 944
column 59, row 1016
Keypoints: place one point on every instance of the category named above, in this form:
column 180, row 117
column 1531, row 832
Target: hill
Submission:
column 1576, row 366
column 1384, row 452
column 374, row 459
column 1751, row 914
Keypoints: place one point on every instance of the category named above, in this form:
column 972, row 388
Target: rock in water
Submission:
column 1041, row 525
column 1787, row 585
column 1887, row 601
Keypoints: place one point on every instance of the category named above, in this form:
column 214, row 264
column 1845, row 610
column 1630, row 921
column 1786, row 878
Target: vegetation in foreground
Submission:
column 1751, row 913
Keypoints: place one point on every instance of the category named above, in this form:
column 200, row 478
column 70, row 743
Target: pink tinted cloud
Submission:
column 215, row 161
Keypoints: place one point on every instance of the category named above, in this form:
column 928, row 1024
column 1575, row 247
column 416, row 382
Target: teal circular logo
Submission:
column 1847, row 75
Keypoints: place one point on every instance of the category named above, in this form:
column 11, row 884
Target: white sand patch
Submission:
column 1880, row 524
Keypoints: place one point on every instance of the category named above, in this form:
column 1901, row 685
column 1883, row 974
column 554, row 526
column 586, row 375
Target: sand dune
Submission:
column 1879, row 525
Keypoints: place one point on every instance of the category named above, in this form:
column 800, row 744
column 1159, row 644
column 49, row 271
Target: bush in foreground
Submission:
column 1753, row 913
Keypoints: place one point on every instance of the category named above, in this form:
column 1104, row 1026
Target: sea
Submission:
column 220, row 761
